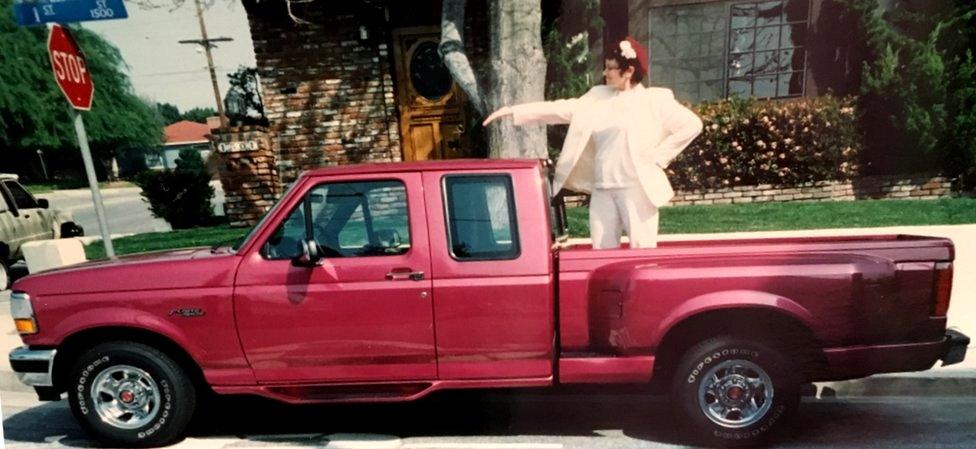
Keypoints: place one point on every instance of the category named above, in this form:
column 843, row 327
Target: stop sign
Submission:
column 70, row 69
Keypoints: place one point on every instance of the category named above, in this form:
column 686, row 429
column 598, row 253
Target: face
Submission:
column 615, row 77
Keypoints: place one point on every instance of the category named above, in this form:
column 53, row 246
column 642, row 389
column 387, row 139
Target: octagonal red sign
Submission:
column 70, row 68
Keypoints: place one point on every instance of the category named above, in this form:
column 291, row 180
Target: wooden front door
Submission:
column 431, row 103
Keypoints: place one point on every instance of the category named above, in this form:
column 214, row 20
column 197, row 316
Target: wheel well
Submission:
column 75, row 345
column 785, row 332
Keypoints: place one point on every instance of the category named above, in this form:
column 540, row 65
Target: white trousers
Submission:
column 626, row 209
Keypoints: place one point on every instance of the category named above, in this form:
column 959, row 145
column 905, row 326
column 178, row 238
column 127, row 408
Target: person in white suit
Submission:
column 621, row 137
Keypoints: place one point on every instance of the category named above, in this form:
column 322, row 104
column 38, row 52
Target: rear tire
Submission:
column 128, row 394
column 734, row 392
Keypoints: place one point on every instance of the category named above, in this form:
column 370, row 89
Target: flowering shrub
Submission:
column 781, row 142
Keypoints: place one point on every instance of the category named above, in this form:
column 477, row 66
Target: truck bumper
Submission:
column 853, row 362
column 954, row 348
column 34, row 367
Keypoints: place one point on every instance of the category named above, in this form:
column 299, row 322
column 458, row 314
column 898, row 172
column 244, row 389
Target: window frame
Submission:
column 306, row 206
column 7, row 183
column 513, row 216
column 727, row 54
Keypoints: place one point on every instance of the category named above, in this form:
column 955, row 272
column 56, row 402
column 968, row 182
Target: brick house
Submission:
column 361, row 81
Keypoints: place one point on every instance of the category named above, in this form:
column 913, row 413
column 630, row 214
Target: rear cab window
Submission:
column 481, row 218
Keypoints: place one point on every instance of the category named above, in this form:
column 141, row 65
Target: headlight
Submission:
column 23, row 313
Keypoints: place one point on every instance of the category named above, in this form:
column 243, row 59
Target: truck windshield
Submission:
column 250, row 234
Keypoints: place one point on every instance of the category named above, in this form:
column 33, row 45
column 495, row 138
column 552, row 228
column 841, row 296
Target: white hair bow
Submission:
column 627, row 50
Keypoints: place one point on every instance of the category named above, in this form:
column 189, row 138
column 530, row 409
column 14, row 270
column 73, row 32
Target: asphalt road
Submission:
column 125, row 208
column 516, row 420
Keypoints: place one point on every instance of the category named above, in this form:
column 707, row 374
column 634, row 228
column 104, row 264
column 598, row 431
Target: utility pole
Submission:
column 207, row 44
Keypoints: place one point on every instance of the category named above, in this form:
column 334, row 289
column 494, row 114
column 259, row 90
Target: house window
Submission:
column 713, row 50
column 688, row 50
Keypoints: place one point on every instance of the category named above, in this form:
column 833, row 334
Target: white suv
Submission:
column 24, row 218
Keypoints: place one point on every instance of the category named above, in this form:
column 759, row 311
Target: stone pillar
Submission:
column 248, row 172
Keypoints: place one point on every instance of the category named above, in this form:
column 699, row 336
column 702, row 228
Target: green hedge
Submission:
column 781, row 142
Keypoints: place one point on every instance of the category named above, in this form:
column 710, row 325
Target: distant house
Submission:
column 180, row 136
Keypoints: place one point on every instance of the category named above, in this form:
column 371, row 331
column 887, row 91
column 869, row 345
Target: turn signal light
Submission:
column 26, row 325
column 943, row 288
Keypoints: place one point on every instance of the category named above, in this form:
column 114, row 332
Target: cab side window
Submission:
column 22, row 198
column 481, row 217
column 355, row 219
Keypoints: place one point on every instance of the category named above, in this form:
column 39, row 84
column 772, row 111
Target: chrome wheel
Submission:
column 125, row 397
column 735, row 394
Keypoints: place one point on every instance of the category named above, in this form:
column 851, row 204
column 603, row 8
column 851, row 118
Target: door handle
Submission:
column 404, row 274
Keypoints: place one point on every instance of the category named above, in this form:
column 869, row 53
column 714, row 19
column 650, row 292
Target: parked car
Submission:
column 386, row 282
column 24, row 219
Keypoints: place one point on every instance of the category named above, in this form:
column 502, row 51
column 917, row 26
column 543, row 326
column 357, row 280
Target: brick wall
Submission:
column 891, row 187
column 881, row 187
column 327, row 92
column 248, row 173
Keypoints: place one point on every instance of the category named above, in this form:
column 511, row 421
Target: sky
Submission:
column 162, row 69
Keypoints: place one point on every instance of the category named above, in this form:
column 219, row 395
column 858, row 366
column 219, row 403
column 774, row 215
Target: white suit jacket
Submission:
column 658, row 128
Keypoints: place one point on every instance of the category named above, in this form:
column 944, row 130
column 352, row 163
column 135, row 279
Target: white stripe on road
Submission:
column 483, row 446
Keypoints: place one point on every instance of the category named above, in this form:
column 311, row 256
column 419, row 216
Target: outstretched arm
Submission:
column 543, row 112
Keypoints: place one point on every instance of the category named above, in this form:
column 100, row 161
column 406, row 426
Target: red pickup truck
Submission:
column 388, row 282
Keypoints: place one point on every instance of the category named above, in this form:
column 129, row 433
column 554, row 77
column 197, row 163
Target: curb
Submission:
column 933, row 383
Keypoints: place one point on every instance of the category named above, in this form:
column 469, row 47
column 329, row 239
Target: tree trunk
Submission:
column 451, row 50
column 517, row 75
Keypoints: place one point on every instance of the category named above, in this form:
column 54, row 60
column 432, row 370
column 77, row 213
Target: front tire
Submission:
column 129, row 394
column 734, row 392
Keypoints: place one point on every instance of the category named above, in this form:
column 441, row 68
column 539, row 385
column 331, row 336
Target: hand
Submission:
column 504, row 111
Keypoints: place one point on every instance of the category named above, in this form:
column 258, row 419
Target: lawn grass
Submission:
column 800, row 215
column 156, row 241
column 674, row 220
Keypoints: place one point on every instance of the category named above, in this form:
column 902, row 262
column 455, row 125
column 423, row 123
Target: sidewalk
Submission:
column 955, row 380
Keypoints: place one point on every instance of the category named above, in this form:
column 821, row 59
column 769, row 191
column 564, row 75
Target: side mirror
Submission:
column 43, row 204
column 309, row 254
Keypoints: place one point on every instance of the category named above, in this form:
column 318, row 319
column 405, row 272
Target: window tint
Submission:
column 22, row 199
column 481, row 217
column 347, row 220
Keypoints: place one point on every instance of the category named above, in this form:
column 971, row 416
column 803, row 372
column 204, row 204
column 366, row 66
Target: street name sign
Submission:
column 39, row 12
column 70, row 69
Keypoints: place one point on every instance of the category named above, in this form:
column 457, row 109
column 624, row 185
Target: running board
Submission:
column 373, row 392
column 605, row 370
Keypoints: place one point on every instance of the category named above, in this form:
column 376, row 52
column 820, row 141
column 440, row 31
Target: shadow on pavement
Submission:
column 444, row 414
column 599, row 416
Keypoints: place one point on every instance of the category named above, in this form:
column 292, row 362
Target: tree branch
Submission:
column 451, row 50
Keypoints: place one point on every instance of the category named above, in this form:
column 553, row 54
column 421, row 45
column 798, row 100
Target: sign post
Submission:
column 71, row 75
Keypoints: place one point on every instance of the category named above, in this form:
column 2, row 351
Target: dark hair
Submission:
column 640, row 67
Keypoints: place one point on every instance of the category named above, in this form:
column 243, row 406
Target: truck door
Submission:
column 366, row 312
column 493, row 298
